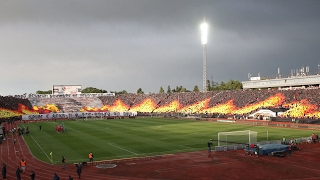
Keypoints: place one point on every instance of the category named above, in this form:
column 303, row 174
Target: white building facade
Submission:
column 294, row 82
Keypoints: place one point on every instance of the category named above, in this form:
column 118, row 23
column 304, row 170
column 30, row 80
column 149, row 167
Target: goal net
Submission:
column 237, row 137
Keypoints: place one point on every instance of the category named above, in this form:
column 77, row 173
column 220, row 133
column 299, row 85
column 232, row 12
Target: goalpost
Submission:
column 237, row 137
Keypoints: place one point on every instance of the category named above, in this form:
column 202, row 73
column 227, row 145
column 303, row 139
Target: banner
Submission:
column 42, row 96
column 77, row 115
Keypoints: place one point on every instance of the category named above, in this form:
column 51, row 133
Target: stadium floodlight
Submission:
column 204, row 32
column 204, row 37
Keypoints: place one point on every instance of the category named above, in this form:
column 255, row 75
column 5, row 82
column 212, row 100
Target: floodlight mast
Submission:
column 204, row 34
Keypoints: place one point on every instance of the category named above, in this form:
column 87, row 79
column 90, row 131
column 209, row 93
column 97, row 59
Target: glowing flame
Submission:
column 22, row 109
column 230, row 108
column 171, row 107
column 196, row 107
column 221, row 108
column 5, row 113
column 302, row 109
column 148, row 105
column 46, row 109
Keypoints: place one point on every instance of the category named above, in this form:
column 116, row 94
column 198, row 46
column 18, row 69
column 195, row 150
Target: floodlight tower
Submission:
column 204, row 34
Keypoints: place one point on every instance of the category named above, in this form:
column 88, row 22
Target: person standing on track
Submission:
column 209, row 146
column 56, row 177
column 63, row 162
column 79, row 169
column 23, row 164
column 18, row 172
column 313, row 136
column 4, row 171
column 33, row 175
column 257, row 150
column 91, row 157
column 4, row 132
column 283, row 140
column 289, row 150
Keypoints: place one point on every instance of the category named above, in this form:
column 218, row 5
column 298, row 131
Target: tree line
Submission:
column 211, row 86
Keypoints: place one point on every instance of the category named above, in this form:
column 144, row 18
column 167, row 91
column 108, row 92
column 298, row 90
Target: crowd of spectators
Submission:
column 191, row 102
column 69, row 104
column 13, row 104
column 159, row 100
column 240, row 99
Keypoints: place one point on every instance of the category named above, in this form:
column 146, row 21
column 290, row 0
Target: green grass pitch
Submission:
column 124, row 138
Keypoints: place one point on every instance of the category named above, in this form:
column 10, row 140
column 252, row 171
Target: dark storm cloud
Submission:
column 124, row 45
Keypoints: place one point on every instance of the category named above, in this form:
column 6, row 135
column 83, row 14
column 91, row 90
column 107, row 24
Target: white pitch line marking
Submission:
column 41, row 148
column 185, row 146
column 122, row 148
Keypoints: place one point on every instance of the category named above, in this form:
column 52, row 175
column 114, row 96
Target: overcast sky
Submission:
column 129, row 44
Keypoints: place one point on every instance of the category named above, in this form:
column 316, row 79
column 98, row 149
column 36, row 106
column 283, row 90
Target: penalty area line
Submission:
column 122, row 149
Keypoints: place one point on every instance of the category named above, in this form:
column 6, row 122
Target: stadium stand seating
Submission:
column 302, row 103
column 68, row 104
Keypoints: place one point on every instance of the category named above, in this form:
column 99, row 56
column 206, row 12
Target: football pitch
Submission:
column 125, row 138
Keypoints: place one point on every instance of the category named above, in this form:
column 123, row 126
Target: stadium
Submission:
column 104, row 118
column 162, row 135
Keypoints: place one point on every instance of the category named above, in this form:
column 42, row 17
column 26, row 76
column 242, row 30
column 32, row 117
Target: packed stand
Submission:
column 12, row 107
column 302, row 103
